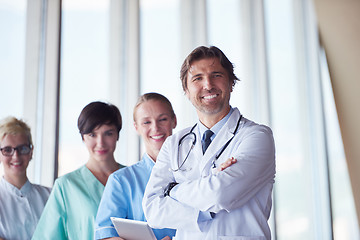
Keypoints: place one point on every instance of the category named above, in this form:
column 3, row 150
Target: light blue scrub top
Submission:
column 122, row 198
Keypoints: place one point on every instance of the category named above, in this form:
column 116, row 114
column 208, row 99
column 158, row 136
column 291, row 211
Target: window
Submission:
column 12, row 59
column 292, row 193
column 343, row 209
column 114, row 51
column 160, row 60
column 302, row 114
column 84, row 72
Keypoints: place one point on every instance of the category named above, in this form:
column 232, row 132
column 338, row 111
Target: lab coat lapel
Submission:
column 198, row 155
column 225, row 134
column 214, row 148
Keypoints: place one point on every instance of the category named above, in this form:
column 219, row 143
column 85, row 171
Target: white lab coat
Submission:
column 240, row 195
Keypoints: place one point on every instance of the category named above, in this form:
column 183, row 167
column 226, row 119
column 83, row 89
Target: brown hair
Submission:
column 207, row 52
column 96, row 114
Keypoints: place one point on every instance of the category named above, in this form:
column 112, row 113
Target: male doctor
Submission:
column 185, row 192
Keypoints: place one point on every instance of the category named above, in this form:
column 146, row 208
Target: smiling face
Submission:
column 15, row 166
column 101, row 143
column 154, row 123
column 208, row 89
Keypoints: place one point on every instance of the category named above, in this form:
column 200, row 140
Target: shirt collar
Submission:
column 148, row 160
column 25, row 189
column 216, row 128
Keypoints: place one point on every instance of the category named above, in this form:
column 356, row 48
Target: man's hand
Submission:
column 226, row 164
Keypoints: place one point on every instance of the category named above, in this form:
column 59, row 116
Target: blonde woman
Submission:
column 154, row 120
column 21, row 202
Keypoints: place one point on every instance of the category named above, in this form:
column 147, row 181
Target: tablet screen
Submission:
column 132, row 230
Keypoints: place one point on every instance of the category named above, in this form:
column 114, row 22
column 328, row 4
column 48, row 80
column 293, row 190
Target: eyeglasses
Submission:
column 22, row 150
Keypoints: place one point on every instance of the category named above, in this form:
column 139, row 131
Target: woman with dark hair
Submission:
column 71, row 209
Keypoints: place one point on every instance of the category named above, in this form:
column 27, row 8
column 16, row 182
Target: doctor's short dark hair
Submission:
column 96, row 114
column 203, row 52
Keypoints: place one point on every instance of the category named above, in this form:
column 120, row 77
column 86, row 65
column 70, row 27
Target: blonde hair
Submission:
column 154, row 96
column 13, row 126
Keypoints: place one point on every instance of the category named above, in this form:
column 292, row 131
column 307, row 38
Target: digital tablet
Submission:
column 132, row 230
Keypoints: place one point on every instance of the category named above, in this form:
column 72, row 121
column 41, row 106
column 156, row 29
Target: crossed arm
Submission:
column 222, row 167
column 252, row 169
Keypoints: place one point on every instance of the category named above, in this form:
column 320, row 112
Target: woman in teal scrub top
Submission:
column 71, row 208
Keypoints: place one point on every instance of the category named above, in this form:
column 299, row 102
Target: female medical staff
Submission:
column 71, row 209
column 21, row 202
column 154, row 120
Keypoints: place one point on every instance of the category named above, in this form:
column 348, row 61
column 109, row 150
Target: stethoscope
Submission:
column 194, row 142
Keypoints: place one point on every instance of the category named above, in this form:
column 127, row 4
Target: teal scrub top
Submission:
column 71, row 208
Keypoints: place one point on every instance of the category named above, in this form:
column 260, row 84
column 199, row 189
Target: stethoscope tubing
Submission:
column 194, row 142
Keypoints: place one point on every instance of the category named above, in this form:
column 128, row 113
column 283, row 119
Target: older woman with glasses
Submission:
column 21, row 202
